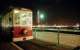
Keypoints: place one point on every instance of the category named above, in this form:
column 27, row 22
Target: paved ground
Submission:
column 7, row 46
column 38, row 45
column 31, row 45
column 27, row 45
column 50, row 45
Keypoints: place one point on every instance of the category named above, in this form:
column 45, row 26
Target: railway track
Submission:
column 28, row 45
column 8, row 46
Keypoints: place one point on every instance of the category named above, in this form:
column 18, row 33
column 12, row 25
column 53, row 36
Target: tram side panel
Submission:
column 6, row 23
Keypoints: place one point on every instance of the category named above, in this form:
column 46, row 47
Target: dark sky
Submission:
column 58, row 11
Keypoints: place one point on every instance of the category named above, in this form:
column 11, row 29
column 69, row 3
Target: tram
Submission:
column 18, row 23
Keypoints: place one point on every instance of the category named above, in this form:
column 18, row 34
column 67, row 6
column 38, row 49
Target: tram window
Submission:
column 17, row 22
column 25, row 15
column 29, row 14
column 23, row 22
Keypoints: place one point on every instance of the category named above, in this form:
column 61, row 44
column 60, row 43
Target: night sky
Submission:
column 64, row 12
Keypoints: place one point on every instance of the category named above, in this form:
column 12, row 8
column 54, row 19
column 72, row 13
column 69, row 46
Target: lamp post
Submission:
column 40, row 17
column 58, row 35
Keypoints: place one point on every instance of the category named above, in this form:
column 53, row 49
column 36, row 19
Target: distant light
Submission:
column 77, row 25
column 59, row 26
column 16, row 11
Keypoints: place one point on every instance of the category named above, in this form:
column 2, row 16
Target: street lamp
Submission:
column 41, row 16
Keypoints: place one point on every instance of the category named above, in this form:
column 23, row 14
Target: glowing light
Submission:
column 42, row 16
column 16, row 11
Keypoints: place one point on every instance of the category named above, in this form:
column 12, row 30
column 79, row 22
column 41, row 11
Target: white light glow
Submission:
column 41, row 16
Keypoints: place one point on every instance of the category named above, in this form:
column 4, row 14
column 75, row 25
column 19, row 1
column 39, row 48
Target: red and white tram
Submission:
column 20, row 19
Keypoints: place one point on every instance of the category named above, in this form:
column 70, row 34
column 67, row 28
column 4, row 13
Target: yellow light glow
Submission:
column 16, row 11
